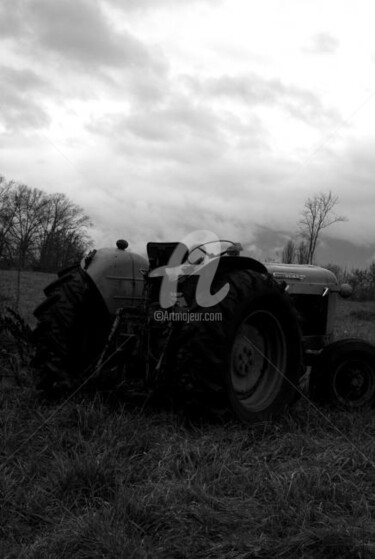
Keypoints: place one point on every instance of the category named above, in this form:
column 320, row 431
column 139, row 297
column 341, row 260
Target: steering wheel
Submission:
column 202, row 248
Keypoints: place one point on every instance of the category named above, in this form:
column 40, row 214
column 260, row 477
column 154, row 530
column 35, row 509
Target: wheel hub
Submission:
column 244, row 360
column 258, row 360
column 353, row 384
column 357, row 380
column 247, row 360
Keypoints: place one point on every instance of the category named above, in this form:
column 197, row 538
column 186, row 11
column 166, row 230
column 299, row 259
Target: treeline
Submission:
column 361, row 281
column 40, row 231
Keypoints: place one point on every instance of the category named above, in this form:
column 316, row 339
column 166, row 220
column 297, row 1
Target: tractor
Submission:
column 202, row 326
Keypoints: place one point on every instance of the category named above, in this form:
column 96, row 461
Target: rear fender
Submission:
column 209, row 271
column 240, row 263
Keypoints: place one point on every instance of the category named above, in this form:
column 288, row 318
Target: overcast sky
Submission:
column 160, row 117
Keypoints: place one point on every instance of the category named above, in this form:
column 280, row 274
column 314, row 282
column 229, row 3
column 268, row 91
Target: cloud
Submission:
column 80, row 32
column 76, row 36
column 322, row 43
column 183, row 175
column 11, row 18
column 20, row 99
column 178, row 121
column 183, row 167
column 253, row 90
column 76, row 46
column 23, row 78
column 142, row 5
column 198, row 122
column 189, row 141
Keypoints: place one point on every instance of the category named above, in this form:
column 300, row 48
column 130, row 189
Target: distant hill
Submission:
column 269, row 244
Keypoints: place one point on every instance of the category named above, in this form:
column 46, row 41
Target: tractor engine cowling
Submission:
column 117, row 274
column 314, row 291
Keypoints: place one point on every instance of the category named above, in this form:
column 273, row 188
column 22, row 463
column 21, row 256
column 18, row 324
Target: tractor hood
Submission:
column 304, row 278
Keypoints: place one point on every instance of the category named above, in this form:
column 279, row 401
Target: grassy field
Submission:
column 355, row 319
column 87, row 479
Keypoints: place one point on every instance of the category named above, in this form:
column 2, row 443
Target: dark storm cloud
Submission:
column 20, row 99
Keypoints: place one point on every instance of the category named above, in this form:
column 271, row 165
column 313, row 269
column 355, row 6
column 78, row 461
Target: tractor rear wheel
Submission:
column 344, row 374
column 73, row 324
column 244, row 354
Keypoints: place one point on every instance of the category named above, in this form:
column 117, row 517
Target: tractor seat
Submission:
column 160, row 254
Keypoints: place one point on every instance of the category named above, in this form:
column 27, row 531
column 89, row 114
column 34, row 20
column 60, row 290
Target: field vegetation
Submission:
column 91, row 479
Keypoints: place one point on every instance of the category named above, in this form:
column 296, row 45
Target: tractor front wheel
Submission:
column 344, row 374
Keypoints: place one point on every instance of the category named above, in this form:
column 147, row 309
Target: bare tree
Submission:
column 28, row 204
column 288, row 255
column 317, row 215
column 7, row 215
column 302, row 253
column 63, row 237
column 295, row 253
column 38, row 230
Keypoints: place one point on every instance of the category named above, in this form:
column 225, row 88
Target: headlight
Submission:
column 345, row 290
